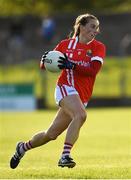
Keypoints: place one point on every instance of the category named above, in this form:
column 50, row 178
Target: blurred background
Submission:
column 28, row 28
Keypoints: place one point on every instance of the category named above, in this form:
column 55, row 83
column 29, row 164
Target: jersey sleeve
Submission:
column 99, row 53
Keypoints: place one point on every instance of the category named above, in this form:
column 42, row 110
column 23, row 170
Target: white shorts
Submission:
column 64, row 90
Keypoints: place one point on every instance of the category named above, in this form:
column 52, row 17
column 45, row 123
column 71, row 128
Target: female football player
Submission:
column 83, row 60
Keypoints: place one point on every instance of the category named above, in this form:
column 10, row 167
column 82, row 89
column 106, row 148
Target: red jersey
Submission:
column 82, row 55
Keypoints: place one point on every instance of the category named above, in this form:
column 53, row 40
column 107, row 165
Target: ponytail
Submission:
column 81, row 20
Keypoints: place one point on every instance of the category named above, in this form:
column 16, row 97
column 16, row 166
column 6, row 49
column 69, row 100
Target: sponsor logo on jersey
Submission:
column 89, row 52
column 82, row 63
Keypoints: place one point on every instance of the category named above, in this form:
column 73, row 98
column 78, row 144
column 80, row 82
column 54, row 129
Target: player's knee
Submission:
column 52, row 135
column 81, row 116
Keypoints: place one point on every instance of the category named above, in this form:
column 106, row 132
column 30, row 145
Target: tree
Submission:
column 42, row 7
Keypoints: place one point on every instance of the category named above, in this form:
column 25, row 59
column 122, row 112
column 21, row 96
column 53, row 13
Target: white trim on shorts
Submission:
column 62, row 91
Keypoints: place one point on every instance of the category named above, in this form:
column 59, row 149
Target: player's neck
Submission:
column 84, row 40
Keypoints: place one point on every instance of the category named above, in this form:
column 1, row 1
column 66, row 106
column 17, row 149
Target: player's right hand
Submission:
column 43, row 60
column 44, row 56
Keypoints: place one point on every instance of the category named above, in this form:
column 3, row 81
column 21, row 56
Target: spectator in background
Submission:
column 48, row 29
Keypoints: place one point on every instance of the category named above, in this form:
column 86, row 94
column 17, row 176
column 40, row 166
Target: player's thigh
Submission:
column 73, row 105
column 60, row 122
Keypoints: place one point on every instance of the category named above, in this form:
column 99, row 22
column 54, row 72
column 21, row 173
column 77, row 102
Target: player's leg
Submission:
column 60, row 123
column 73, row 106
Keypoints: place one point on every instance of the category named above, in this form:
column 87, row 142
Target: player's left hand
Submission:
column 64, row 63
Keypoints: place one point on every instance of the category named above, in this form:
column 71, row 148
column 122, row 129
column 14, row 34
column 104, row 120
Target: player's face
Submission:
column 90, row 30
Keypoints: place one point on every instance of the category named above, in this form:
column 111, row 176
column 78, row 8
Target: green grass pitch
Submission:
column 102, row 151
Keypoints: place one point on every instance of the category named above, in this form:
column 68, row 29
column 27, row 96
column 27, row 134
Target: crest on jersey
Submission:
column 89, row 52
column 79, row 52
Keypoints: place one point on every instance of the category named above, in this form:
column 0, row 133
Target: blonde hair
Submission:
column 82, row 20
